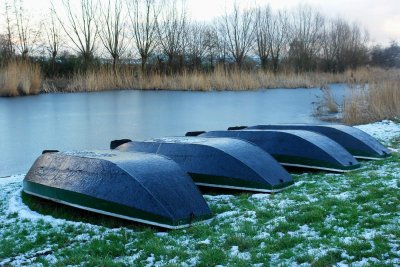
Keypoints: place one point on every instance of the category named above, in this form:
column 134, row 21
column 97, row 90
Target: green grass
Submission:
column 322, row 220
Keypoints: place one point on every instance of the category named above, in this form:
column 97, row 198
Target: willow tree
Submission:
column 111, row 26
column 171, row 31
column 80, row 27
column 306, row 37
column 197, row 44
column 53, row 37
column 238, row 31
column 143, row 16
column 278, row 36
column 7, row 46
column 262, row 34
column 28, row 33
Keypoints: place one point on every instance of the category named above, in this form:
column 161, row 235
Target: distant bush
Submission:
column 388, row 57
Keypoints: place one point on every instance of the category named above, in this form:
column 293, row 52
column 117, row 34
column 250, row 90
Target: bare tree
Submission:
column 27, row 35
column 81, row 28
column 197, row 44
column 112, row 30
column 7, row 44
column 143, row 17
column 278, row 36
column 262, row 34
column 237, row 30
column 307, row 32
column 358, row 51
column 53, row 34
column 171, row 30
column 211, row 44
column 343, row 46
column 330, row 45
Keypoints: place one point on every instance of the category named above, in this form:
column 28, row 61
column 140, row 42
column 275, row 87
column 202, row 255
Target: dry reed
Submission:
column 327, row 104
column 20, row 77
column 105, row 78
column 378, row 100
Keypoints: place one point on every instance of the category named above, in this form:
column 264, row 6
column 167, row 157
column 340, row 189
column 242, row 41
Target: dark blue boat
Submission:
column 141, row 187
column 296, row 148
column 219, row 162
column 358, row 143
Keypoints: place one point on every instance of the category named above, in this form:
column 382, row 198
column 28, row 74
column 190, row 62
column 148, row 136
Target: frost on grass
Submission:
column 324, row 219
column 384, row 131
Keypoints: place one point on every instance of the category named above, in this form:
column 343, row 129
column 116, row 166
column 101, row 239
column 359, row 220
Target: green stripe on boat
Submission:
column 91, row 203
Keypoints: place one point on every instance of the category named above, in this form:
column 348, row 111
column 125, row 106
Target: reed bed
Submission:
column 105, row 78
column 23, row 77
column 20, row 77
column 379, row 100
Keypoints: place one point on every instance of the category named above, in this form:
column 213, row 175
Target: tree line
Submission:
column 159, row 36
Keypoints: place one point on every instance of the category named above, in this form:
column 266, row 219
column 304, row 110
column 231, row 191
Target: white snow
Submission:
column 234, row 252
column 161, row 234
column 205, row 242
column 12, row 179
column 343, row 196
column 150, row 260
column 369, row 234
column 17, row 206
column 383, row 130
column 227, row 214
column 83, row 237
column 260, row 197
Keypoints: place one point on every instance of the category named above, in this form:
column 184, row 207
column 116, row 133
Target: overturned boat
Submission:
column 219, row 162
column 357, row 142
column 141, row 187
column 295, row 148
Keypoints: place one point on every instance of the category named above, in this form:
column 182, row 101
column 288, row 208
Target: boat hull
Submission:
column 360, row 144
column 295, row 148
column 220, row 163
column 139, row 187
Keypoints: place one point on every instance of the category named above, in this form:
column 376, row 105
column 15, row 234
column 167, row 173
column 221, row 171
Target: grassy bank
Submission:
column 20, row 78
column 323, row 220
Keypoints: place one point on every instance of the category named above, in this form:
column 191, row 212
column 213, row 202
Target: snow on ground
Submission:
column 383, row 130
column 14, row 213
column 233, row 215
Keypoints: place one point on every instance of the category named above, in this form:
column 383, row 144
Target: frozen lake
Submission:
column 79, row 121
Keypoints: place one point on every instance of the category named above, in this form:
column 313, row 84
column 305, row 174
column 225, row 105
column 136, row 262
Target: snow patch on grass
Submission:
column 384, row 131
column 234, row 252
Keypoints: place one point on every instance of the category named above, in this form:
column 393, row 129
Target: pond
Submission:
column 78, row 121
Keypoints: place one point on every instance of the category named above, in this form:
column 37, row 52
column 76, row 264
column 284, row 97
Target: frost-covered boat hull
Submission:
column 296, row 148
column 357, row 142
column 221, row 162
column 140, row 187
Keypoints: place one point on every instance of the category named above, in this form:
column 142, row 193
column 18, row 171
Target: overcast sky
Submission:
column 381, row 18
